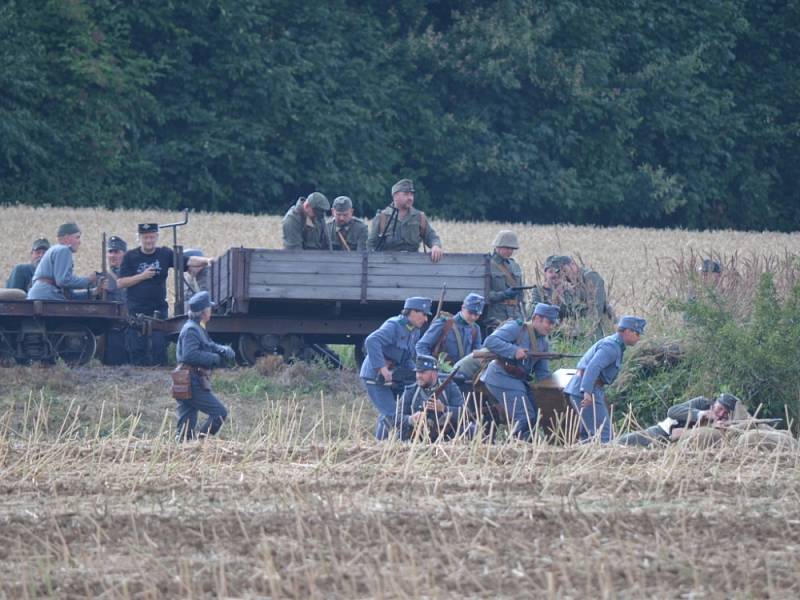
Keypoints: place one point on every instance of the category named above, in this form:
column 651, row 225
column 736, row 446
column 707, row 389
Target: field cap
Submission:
column 506, row 239
column 474, row 302
column 148, row 228
column 634, row 323
column 418, row 303
column 425, row 363
column 556, row 262
column 200, row 301
column 728, row 401
column 547, row 311
column 318, row 201
column 116, row 243
column 67, row 229
column 342, row 204
column 710, row 266
column 404, row 185
column 40, row 244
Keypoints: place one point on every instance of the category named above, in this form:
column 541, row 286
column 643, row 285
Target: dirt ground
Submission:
column 297, row 501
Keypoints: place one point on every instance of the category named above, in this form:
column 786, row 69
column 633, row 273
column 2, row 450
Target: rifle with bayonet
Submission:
column 441, row 301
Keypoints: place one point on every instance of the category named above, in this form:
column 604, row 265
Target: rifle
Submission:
column 400, row 375
column 514, row 367
column 441, row 299
column 103, row 269
column 518, row 288
column 488, row 354
column 438, row 424
column 391, row 223
column 747, row 422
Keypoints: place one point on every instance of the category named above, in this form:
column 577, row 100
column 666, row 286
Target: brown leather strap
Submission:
column 510, row 279
column 47, row 280
column 343, row 240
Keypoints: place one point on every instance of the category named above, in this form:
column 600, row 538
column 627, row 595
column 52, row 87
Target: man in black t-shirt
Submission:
column 144, row 274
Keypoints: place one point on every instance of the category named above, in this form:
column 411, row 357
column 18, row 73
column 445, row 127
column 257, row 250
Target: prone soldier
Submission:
column 439, row 405
column 401, row 227
column 505, row 286
column 387, row 367
column 456, row 336
column 598, row 368
column 346, row 232
column 304, row 224
column 681, row 417
column 197, row 353
column 54, row 278
column 506, row 377
column 21, row 277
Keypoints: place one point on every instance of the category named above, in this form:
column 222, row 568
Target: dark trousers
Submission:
column 201, row 401
column 644, row 438
column 115, row 352
column 144, row 350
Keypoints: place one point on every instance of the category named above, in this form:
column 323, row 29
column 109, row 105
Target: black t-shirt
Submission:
column 151, row 294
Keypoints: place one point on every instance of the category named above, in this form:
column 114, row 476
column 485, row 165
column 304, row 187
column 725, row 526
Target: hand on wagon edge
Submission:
column 436, row 253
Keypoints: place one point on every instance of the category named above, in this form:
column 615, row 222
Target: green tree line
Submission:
column 657, row 113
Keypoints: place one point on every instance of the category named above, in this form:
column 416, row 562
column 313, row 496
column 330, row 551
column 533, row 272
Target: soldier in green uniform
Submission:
column 21, row 277
column 553, row 291
column 304, row 224
column 504, row 301
column 345, row 231
column 401, row 227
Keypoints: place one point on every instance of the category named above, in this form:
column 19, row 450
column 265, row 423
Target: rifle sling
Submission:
column 509, row 276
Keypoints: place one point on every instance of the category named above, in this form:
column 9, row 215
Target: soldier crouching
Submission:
column 197, row 353
column 438, row 412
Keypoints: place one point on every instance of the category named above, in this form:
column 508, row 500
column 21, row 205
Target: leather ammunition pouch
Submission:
column 181, row 382
column 512, row 369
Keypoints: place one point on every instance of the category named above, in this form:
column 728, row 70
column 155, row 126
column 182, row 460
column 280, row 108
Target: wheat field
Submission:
column 296, row 500
column 631, row 260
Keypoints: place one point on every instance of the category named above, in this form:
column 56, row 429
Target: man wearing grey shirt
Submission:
column 54, row 278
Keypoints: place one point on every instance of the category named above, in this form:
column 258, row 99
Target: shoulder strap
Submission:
column 448, row 327
column 381, row 222
column 423, row 228
column 510, row 279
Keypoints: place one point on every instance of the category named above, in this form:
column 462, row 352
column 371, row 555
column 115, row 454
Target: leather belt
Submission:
column 599, row 383
column 48, row 281
column 509, row 302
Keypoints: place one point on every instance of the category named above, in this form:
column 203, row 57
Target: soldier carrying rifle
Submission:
column 388, row 366
column 516, row 345
column 430, row 405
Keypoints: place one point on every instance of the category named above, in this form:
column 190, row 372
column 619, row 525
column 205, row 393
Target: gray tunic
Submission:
column 404, row 234
column 57, row 265
column 354, row 234
column 300, row 233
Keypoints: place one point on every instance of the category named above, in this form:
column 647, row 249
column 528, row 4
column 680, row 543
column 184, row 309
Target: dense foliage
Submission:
column 634, row 113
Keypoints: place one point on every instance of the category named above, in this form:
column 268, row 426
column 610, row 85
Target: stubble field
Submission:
column 296, row 500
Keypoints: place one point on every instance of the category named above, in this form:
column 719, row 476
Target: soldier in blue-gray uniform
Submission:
column 21, row 277
column 506, row 377
column 114, row 351
column 598, row 368
column 681, row 417
column 197, row 351
column 390, row 350
column 456, row 336
column 54, row 278
column 443, row 412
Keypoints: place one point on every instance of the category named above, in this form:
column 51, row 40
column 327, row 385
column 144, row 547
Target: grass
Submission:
column 297, row 500
column 326, row 512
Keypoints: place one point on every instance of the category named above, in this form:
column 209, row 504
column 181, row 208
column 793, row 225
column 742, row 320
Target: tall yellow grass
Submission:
column 628, row 258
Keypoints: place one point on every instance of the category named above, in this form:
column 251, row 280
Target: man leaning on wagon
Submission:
column 401, row 227
column 21, row 277
column 390, row 351
column 54, row 278
column 144, row 274
column 597, row 368
column 115, row 352
column 304, row 225
column 345, row 231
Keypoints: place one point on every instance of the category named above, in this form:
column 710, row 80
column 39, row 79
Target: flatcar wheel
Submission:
column 249, row 347
column 75, row 346
column 8, row 357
